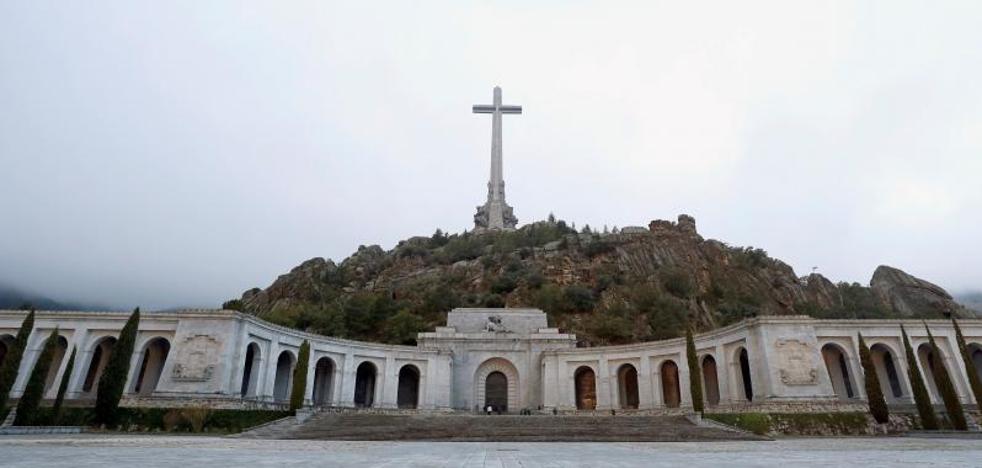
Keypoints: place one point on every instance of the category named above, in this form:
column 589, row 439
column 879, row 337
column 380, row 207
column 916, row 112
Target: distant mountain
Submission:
column 972, row 300
column 14, row 298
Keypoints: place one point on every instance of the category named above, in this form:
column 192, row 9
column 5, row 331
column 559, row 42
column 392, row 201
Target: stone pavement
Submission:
column 93, row 450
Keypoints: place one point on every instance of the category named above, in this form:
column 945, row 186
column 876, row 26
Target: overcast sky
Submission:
column 178, row 153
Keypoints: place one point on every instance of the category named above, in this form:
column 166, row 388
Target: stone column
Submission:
column 685, row 388
column 390, row 384
column 348, row 382
column 269, row 373
column 82, row 358
column 308, row 397
column 605, row 391
column 722, row 375
column 646, row 384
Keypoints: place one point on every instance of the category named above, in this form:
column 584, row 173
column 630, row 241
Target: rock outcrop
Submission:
column 632, row 285
column 911, row 297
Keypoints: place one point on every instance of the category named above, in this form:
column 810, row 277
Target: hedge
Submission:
column 796, row 423
column 168, row 419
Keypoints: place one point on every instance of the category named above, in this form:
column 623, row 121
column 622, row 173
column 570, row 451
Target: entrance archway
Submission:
column 323, row 381
column 627, row 386
column 365, row 385
column 250, row 370
column 6, row 341
column 928, row 359
column 151, row 366
column 744, row 383
column 100, row 357
column 284, row 376
column 838, row 369
column 509, row 376
column 670, row 384
column 886, row 371
column 408, row 394
column 496, row 392
column 585, row 388
column 710, row 380
column 61, row 348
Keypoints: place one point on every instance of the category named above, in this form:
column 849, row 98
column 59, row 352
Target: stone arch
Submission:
column 927, row 357
column 152, row 361
column 585, row 388
column 627, row 386
column 974, row 353
column 365, row 378
column 710, row 380
column 837, row 365
column 6, row 341
column 284, row 376
column 507, row 370
column 670, row 390
column 100, row 352
column 885, row 362
column 407, row 395
column 323, row 381
column 61, row 349
column 250, row 370
column 744, row 378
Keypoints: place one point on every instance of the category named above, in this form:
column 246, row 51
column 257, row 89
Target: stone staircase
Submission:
column 503, row 428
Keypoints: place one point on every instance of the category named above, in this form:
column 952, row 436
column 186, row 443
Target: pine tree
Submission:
column 62, row 388
column 30, row 400
column 928, row 420
column 874, row 394
column 970, row 370
column 300, row 377
column 113, row 379
column 695, row 380
column 956, row 414
column 11, row 363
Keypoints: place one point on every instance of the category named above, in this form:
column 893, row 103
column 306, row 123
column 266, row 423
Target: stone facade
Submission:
column 227, row 359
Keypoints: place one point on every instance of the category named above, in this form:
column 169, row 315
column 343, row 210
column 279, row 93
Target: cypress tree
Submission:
column 874, row 394
column 30, row 400
column 956, row 414
column 11, row 363
column 62, row 388
column 113, row 379
column 695, row 380
column 928, row 420
column 300, row 377
column 970, row 370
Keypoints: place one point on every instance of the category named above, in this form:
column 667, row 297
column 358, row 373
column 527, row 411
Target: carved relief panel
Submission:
column 197, row 356
column 795, row 362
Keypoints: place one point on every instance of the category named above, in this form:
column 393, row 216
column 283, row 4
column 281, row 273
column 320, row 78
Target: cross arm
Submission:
column 511, row 109
column 483, row 109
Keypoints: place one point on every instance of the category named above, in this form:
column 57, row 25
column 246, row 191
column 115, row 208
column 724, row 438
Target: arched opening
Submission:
column 250, row 373
column 974, row 352
column 627, row 386
column 408, row 394
column 744, row 382
column 886, row 371
column 61, row 348
column 838, row 369
column 6, row 341
column 496, row 392
column 100, row 357
column 670, row 384
column 585, row 388
column 284, row 376
column 504, row 388
column 151, row 366
column 710, row 381
column 365, row 385
column 323, row 381
column 926, row 355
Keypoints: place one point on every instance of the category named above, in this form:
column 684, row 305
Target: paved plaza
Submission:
column 213, row 452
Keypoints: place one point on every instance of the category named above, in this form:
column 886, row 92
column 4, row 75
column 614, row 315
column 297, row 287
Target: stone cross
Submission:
column 496, row 214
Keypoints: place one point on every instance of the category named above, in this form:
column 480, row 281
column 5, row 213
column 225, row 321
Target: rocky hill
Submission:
column 629, row 285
